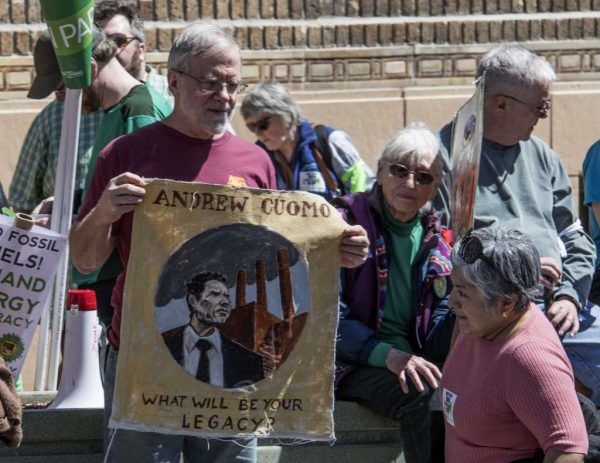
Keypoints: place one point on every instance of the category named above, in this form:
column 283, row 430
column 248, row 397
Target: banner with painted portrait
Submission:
column 230, row 313
column 467, row 136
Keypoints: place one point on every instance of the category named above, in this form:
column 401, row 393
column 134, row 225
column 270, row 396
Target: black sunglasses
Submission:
column 471, row 249
column 421, row 177
column 259, row 126
column 121, row 40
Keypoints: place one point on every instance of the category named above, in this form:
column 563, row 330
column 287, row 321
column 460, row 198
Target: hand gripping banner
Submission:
column 230, row 314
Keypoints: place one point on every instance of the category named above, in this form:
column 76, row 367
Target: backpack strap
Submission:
column 322, row 144
column 324, row 157
column 329, row 180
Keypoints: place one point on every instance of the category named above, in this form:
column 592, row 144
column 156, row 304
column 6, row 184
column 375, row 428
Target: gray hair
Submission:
column 199, row 40
column 516, row 272
column 413, row 143
column 510, row 68
column 271, row 98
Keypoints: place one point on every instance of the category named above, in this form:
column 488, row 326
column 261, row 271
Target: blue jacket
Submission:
column 363, row 289
column 347, row 167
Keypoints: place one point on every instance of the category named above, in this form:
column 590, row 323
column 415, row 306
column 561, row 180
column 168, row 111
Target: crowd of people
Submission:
column 482, row 347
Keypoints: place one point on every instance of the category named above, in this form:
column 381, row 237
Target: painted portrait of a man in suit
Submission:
column 201, row 348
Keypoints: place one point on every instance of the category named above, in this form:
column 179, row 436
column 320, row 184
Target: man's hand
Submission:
column 408, row 365
column 562, row 313
column 551, row 272
column 354, row 247
column 43, row 208
column 122, row 194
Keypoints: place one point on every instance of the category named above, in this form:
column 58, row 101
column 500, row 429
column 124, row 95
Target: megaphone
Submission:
column 80, row 384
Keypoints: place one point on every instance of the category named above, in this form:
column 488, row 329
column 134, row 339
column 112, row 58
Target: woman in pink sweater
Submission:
column 507, row 388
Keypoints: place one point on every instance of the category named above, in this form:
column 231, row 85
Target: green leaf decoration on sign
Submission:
column 11, row 347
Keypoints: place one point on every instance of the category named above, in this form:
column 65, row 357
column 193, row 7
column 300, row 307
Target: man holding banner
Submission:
column 191, row 145
column 524, row 185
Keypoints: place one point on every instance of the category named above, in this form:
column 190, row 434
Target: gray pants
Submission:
column 125, row 446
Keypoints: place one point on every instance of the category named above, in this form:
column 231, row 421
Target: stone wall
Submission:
column 368, row 66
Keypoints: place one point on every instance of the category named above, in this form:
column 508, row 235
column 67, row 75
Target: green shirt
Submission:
column 398, row 314
column 159, row 83
column 140, row 107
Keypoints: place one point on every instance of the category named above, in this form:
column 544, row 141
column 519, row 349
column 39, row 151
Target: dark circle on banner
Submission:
column 469, row 128
column 231, row 303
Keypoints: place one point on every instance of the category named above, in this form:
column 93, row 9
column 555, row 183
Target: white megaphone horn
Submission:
column 80, row 383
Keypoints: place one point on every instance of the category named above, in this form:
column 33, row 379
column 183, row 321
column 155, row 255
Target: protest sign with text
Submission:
column 28, row 263
column 230, row 313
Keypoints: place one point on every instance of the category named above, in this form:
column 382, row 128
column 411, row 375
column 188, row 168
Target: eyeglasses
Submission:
column 471, row 250
column 538, row 111
column 121, row 40
column 421, row 177
column 215, row 85
column 259, row 126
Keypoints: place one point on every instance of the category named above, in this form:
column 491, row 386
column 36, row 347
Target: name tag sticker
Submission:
column 312, row 181
column 449, row 398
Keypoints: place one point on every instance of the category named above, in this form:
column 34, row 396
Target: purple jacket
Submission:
column 364, row 289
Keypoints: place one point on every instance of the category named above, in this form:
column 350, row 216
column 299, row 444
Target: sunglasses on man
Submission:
column 421, row 177
column 122, row 40
column 259, row 126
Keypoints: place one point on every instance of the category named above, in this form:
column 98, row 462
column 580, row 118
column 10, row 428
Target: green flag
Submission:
column 70, row 27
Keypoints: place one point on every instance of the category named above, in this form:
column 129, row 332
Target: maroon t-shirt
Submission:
column 158, row 151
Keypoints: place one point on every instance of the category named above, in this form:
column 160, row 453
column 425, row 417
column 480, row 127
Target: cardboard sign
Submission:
column 28, row 263
column 467, row 136
column 230, row 313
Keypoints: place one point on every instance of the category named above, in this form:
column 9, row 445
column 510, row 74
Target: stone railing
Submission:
column 75, row 436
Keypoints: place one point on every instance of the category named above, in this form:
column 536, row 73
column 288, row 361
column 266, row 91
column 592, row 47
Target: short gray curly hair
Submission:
column 516, row 271
column 271, row 98
column 413, row 143
column 199, row 40
column 510, row 67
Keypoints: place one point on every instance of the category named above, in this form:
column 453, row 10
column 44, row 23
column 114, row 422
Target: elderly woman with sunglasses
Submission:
column 318, row 159
column 508, row 391
column 395, row 325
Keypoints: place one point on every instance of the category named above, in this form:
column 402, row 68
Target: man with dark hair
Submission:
column 121, row 22
column 201, row 348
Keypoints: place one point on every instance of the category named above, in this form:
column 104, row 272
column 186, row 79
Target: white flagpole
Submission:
column 62, row 211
